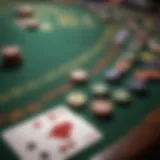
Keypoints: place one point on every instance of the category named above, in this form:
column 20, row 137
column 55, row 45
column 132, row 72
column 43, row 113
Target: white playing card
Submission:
column 56, row 134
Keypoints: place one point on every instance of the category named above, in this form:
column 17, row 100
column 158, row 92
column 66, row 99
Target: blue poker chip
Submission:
column 112, row 74
column 138, row 86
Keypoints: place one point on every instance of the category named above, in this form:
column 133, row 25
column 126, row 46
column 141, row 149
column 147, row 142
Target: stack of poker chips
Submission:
column 12, row 56
column 25, row 17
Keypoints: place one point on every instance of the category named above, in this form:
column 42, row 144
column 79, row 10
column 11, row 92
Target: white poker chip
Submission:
column 25, row 10
column 79, row 75
column 102, row 107
column 76, row 99
column 122, row 96
column 100, row 89
column 10, row 51
column 31, row 23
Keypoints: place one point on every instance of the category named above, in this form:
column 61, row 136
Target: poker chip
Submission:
column 102, row 107
column 25, row 11
column 141, row 75
column 154, row 74
column 76, row 99
column 31, row 24
column 138, row 86
column 121, row 96
column 154, row 45
column 79, row 76
column 112, row 75
column 100, row 89
column 147, row 57
column 11, row 55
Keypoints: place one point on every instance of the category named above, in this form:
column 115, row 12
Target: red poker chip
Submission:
column 79, row 76
column 154, row 74
column 102, row 107
column 11, row 55
column 141, row 75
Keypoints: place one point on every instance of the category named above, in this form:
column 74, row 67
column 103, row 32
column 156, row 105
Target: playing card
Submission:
column 56, row 134
column 100, row 156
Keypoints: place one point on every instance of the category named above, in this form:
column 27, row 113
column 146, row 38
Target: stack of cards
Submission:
column 56, row 134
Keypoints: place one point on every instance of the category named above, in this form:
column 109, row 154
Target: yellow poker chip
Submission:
column 121, row 96
column 76, row 99
column 147, row 57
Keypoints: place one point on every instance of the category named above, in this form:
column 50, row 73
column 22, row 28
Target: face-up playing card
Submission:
column 100, row 156
column 57, row 134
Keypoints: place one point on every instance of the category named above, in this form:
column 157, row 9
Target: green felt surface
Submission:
column 48, row 58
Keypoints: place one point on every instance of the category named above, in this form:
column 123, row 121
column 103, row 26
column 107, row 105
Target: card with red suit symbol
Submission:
column 56, row 134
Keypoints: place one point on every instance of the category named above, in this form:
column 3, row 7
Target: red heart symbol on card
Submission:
column 62, row 131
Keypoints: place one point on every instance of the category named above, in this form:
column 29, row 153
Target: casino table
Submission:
column 78, row 38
